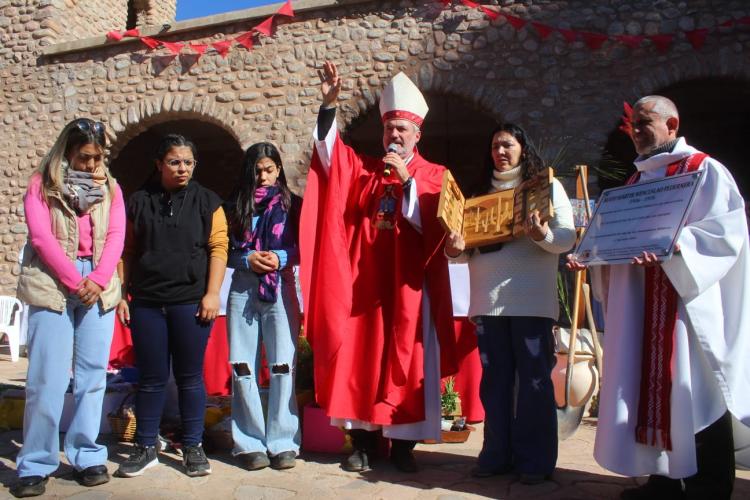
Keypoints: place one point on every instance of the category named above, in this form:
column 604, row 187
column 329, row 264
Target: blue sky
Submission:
column 189, row 9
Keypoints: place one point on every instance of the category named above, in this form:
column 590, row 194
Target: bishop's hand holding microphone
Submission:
column 393, row 161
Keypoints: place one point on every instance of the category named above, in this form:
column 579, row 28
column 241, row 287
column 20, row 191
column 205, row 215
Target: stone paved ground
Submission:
column 444, row 474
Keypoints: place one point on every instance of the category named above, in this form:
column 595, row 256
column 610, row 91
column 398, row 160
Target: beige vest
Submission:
column 37, row 286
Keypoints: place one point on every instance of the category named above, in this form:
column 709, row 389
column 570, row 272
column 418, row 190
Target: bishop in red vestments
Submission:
column 375, row 281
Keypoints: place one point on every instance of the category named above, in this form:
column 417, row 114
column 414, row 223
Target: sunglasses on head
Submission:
column 89, row 126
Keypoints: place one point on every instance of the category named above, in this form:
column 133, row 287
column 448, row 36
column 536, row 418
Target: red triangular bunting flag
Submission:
column 173, row 47
column 134, row 33
column 199, row 48
column 222, row 47
column 516, row 22
column 569, row 35
column 697, row 37
column 492, row 14
column 543, row 30
column 246, row 40
column 661, row 42
column 114, row 35
column 150, row 42
column 744, row 20
column 632, row 41
column 286, row 9
column 266, row 27
column 470, row 4
column 727, row 24
column 593, row 40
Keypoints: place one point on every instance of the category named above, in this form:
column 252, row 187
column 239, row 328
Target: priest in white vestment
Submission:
column 690, row 454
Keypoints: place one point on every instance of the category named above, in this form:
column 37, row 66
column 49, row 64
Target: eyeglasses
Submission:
column 89, row 126
column 175, row 162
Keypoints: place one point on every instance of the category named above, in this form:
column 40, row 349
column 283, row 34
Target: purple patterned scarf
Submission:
column 272, row 217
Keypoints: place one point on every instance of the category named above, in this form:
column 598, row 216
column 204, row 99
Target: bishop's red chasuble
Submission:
column 363, row 271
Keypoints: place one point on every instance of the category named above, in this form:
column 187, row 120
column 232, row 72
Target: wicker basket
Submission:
column 123, row 426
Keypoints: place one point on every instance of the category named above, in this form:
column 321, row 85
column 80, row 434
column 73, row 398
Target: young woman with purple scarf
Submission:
column 263, row 217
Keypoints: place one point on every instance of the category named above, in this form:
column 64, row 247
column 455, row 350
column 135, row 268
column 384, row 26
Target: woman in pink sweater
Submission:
column 76, row 219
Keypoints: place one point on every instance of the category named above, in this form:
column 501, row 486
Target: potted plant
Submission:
column 453, row 425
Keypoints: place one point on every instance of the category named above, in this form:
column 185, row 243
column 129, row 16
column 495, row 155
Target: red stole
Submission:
column 659, row 320
column 363, row 268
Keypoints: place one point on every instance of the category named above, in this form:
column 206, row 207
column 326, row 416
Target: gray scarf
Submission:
column 83, row 190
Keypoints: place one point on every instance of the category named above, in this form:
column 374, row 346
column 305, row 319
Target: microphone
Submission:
column 392, row 148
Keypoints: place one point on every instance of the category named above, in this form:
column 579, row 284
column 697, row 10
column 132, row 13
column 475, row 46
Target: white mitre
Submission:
column 401, row 99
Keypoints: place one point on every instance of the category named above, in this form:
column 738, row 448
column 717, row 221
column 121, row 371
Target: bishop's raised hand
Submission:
column 330, row 83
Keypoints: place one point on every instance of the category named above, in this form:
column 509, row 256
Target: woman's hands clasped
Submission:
column 88, row 292
column 263, row 261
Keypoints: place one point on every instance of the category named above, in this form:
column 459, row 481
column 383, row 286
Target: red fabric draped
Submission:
column 363, row 288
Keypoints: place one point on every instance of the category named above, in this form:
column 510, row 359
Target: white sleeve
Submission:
column 410, row 206
column 325, row 147
column 561, row 235
column 714, row 236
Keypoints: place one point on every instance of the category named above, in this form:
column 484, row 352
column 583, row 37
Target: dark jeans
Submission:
column 161, row 333
column 714, row 453
column 525, row 439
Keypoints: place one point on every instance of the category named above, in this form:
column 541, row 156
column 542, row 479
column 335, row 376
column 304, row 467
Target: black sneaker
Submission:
column 29, row 486
column 256, row 460
column 195, row 461
column 93, row 476
column 140, row 459
column 284, row 460
column 358, row 461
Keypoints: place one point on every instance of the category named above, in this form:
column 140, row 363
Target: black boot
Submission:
column 402, row 455
column 363, row 443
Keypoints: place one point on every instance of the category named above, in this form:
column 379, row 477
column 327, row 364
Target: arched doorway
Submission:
column 454, row 134
column 219, row 155
column 714, row 117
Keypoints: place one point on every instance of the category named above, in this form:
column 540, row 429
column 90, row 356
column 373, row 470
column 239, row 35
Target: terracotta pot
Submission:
column 584, row 383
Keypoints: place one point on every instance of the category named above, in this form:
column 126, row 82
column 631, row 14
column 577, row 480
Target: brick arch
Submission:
column 137, row 118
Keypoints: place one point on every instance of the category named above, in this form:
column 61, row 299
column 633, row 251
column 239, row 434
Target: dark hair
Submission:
column 531, row 163
column 83, row 131
column 170, row 141
column 241, row 205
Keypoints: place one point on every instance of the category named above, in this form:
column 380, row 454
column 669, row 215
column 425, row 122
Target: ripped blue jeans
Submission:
column 250, row 321
column 521, row 435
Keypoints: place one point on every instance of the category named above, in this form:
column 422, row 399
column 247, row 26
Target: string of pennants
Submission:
column 265, row 28
column 594, row 41
column 661, row 41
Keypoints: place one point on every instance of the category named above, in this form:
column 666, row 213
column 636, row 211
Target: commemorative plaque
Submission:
column 629, row 220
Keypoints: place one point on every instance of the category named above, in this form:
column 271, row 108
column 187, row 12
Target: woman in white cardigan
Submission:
column 514, row 304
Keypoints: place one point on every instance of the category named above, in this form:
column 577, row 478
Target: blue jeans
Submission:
column 525, row 439
column 160, row 333
column 79, row 337
column 249, row 321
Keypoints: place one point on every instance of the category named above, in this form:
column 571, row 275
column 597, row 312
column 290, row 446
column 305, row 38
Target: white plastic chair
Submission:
column 10, row 323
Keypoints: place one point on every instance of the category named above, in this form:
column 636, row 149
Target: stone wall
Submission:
column 26, row 26
column 154, row 12
column 565, row 93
